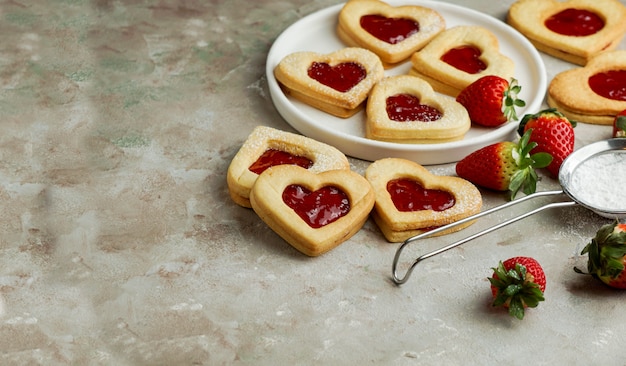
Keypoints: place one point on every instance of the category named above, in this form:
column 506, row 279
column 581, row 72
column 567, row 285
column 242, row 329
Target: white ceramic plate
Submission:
column 316, row 33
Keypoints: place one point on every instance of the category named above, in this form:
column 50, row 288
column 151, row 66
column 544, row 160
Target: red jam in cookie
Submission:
column 465, row 58
column 318, row 208
column 609, row 84
column 407, row 107
column 390, row 30
column 575, row 22
column 272, row 157
column 408, row 195
column 341, row 77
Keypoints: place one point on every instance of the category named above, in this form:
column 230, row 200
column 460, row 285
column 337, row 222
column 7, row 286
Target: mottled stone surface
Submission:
column 119, row 244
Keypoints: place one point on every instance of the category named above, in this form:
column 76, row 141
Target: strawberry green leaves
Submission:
column 619, row 125
column 518, row 283
column 607, row 254
column 511, row 100
column 525, row 178
column 504, row 166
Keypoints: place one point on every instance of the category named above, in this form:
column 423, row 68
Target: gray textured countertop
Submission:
column 119, row 244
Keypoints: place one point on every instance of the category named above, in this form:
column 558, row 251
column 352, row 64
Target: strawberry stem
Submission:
column 620, row 125
column 606, row 252
column 515, row 288
column 525, row 178
column 511, row 100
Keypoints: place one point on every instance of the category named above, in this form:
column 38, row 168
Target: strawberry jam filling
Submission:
column 390, row 30
column 408, row 195
column 341, row 77
column 318, row 208
column 272, row 157
column 407, row 107
column 610, row 84
column 575, row 22
column 465, row 58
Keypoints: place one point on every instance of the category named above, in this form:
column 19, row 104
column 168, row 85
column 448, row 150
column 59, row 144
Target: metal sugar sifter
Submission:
column 592, row 177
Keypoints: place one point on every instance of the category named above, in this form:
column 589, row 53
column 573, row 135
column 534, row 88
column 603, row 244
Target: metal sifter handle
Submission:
column 397, row 280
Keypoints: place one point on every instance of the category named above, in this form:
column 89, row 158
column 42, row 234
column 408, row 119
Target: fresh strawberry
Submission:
column 553, row 133
column 504, row 166
column 491, row 100
column 607, row 255
column 619, row 124
column 517, row 283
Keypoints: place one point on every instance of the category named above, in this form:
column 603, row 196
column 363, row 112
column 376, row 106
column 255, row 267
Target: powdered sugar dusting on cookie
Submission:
column 399, row 225
column 292, row 73
column 351, row 30
column 324, row 157
column 453, row 124
column 372, row 66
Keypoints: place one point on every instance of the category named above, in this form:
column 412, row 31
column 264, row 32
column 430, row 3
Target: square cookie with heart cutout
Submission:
column 266, row 147
column 406, row 109
column 394, row 33
column 312, row 212
column 459, row 56
column 337, row 83
column 411, row 200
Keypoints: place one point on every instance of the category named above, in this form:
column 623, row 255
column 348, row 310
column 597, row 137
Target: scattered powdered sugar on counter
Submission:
column 598, row 181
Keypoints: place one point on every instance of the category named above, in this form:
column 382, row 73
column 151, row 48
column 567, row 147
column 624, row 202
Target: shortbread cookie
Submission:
column 410, row 200
column 312, row 212
column 337, row 83
column 393, row 33
column 267, row 147
column 459, row 56
column 405, row 109
column 572, row 30
column 594, row 93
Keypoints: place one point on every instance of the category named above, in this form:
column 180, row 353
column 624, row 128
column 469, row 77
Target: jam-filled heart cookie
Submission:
column 267, row 147
column 337, row 83
column 405, row 108
column 594, row 93
column 572, row 30
column 459, row 56
column 393, row 33
column 312, row 212
column 410, row 200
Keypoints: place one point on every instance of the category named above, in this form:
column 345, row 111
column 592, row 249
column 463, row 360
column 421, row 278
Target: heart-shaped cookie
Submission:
column 459, row 56
column 410, row 200
column 312, row 212
column 594, row 93
column 572, row 30
column 266, row 147
column 337, row 83
column 393, row 33
column 405, row 108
